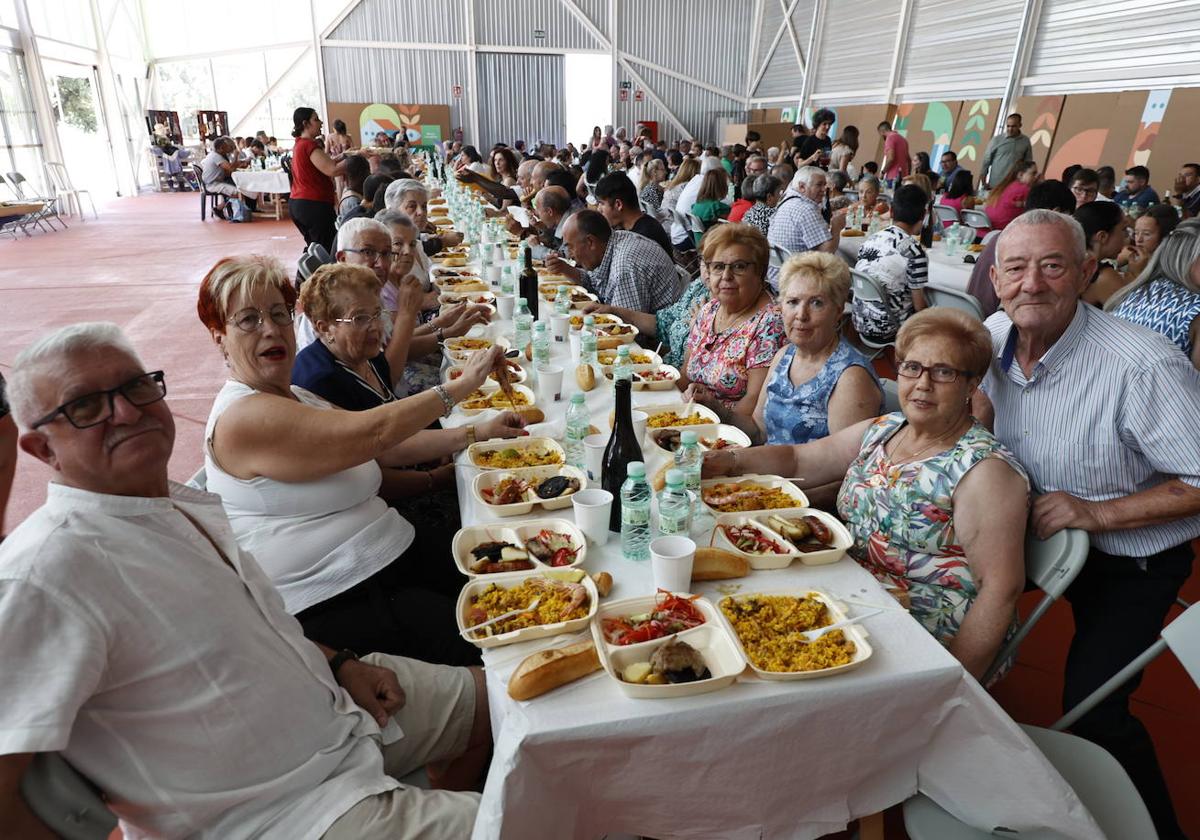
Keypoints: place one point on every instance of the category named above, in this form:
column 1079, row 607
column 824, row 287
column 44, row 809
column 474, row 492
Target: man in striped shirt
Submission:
column 1102, row 415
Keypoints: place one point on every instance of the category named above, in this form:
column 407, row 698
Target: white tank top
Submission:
column 314, row 539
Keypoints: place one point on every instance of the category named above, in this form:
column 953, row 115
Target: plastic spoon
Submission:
column 533, row 604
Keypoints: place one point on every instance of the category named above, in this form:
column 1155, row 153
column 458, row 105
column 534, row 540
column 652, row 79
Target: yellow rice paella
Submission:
column 770, row 626
column 558, row 601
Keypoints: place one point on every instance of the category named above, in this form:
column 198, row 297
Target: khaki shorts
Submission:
column 436, row 719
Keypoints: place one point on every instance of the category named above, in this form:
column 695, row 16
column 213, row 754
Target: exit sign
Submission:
column 539, row 33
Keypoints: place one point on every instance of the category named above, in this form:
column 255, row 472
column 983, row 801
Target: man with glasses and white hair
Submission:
column 149, row 649
column 1102, row 413
column 798, row 225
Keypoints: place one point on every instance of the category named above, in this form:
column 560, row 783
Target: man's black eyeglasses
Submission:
column 93, row 409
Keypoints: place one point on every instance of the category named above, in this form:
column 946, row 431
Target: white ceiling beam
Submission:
column 394, row 45
column 791, row 30
column 666, row 71
column 235, row 128
column 339, row 17
column 654, row 96
column 1022, row 52
column 815, row 39
column 322, row 91
column 755, row 37
column 472, row 102
column 762, row 71
column 900, row 47
column 586, row 23
column 238, row 51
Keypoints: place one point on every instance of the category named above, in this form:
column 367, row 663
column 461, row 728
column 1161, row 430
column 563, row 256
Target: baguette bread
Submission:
column 546, row 670
column 609, row 342
column 718, row 564
column 585, row 377
column 531, row 414
column 660, row 478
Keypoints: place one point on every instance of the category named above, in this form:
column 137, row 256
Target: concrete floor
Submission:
column 140, row 264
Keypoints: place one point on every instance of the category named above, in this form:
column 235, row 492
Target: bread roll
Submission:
column 531, row 414
column 718, row 564
column 604, row 583
column 609, row 342
column 548, row 669
column 660, row 478
column 585, row 377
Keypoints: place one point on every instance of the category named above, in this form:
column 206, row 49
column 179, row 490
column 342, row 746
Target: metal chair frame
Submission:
column 938, row 295
column 865, row 287
column 64, row 187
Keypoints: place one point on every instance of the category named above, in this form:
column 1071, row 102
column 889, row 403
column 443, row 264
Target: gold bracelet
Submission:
column 734, row 456
column 471, row 438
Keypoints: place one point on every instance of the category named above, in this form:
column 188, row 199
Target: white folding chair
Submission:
column 63, row 186
column 65, row 801
column 851, row 194
column 199, row 480
column 891, row 395
column 1052, row 565
column 977, row 220
column 685, row 280
column 779, row 256
column 989, row 236
column 1101, row 783
column 865, row 287
column 682, row 220
column 945, row 296
column 945, row 213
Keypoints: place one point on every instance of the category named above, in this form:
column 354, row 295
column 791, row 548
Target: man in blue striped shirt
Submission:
column 1102, row 413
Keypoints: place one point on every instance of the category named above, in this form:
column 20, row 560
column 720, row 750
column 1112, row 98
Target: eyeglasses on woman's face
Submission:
column 942, row 374
column 362, row 320
column 251, row 320
column 738, row 267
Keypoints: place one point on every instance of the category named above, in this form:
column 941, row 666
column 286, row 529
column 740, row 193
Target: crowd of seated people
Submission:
column 1071, row 406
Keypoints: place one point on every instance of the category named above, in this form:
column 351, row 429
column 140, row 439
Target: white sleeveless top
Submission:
column 314, row 539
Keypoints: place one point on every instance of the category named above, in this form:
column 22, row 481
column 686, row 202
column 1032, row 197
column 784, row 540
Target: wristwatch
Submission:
column 470, row 430
column 341, row 658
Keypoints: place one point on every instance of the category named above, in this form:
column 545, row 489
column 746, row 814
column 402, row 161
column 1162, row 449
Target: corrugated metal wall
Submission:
column 710, row 45
column 699, row 110
column 515, row 22
column 855, row 56
column 783, row 76
column 1114, row 44
column 441, row 22
column 520, row 98
column 959, row 50
column 355, row 74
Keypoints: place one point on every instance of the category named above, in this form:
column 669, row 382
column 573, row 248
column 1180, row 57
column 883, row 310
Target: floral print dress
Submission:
column 901, row 517
column 722, row 361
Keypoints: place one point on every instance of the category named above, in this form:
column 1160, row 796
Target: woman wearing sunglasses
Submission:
column 300, row 480
column 935, row 504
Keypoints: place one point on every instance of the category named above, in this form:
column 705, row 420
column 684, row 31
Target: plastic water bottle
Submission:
column 523, row 321
column 578, row 422
column 623, row 369
column 562, row 301
column 635, row 513
column 688, row 460
column 587, row 346
column 541, row 344
column 508, row 283
column 675, row 506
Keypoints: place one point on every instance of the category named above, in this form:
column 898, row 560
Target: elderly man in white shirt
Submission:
column 1102, row 414
column 144, row 645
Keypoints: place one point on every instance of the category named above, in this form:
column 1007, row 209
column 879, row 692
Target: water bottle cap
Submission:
column 623, row 350
column 539, row 326
column 675, row 477
column 562, row 289
column 578, row 399
column 687, row 437
column 636, row 469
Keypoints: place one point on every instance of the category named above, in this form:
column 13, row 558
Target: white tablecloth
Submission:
column 262, row 181
column 950, row 272
column 758, row 759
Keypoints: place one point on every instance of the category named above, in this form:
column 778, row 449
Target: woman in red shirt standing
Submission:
column 312, row 202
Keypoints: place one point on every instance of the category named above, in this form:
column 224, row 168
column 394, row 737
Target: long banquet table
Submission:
column 758, row 759
column 944, row 270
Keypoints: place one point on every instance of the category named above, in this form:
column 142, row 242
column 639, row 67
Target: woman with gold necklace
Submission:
column 734, row 336
column 935, row 504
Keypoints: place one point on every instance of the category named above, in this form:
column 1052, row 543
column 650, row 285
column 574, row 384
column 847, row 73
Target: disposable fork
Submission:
column 532, row 605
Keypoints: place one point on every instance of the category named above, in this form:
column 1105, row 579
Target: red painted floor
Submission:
column 139, row 265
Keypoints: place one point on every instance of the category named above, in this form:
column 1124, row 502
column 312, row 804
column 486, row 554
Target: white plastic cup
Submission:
column 671, row 563
column 573, row 340
column 560, row 325
column 592, row 509
column 640, row 418
column 593, row 447
column 505, row 304
column 493, row 275
column 549, row 383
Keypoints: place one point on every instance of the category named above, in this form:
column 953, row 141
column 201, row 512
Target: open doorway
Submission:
column 587, row 83
column 81, row 129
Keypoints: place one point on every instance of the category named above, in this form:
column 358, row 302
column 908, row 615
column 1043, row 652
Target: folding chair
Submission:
column 685, row 280
column 954, row 299
column 977, row 220
column 946, row 214
column 851, row 194
column 1100, row 782
column 49, row 209
column 209, row 202
column 199, row 480
column 64, row 187
column 65, row 801
column 1052, row 565
column 316, row 249
column 865, row 287
column 779, row 256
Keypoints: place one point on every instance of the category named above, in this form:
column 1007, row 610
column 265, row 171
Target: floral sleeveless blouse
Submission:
column 901, row 517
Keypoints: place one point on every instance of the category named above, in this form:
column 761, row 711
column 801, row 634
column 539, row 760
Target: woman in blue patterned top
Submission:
column 1166, row 295
column 818, row 382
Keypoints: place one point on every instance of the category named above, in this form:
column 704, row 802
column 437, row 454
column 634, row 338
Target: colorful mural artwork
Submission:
column 394, row 120
column 939, row 121
column 1152, row 116
column 1083, row 148
column 976, row 129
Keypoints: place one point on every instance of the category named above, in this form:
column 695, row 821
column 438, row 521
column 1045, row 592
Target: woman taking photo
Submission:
column 734, row 336
column 818, row 384
column 935, row 504
column 1006, row 201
